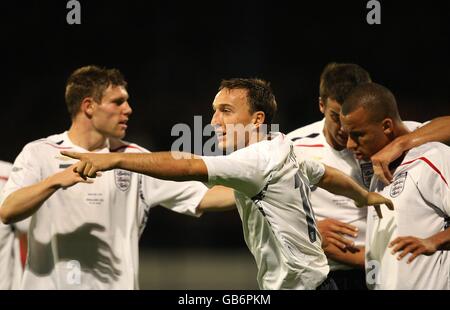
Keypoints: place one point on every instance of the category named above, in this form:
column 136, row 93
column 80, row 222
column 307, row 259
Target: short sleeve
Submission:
column 181, row 197
column 433, row 177
column 312, row 170
column 246, row 170
column 25, row 172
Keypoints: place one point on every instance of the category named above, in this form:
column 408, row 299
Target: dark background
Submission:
column 174, row 54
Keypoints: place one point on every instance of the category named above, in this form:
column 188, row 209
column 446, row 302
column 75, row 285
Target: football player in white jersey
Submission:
column 86, row 237
column 340, row 222
column 271, row 186
column 408, row 248
column 13, row 242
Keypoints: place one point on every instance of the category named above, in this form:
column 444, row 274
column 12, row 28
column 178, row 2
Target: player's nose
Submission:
column 351, row 145
column 127, row 110
column 215, row 119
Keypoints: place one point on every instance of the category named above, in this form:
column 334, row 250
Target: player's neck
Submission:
column 257, row 136
column 86, row 137
column 400, row 130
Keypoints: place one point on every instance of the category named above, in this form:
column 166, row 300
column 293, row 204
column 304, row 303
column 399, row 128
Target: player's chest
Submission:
column 409, row 206
column 112, row 187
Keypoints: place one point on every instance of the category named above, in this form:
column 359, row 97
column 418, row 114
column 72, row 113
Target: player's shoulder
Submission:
column 412, row 125
column 55, row 141
column 308, row 131
column 273, row 149
column 430, row 149
column 429, row 157
column 276, row 141
column 120, row 146
column 312, row 142
column 5, row 168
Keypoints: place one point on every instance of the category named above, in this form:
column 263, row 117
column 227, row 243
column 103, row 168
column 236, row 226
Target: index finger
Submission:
column 389, row 204
column 381, row 172
column 378, row 210
column 73, row 155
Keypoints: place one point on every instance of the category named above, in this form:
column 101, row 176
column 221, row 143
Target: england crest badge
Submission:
column 123, row 179
column 399, row 184
column 366, row 173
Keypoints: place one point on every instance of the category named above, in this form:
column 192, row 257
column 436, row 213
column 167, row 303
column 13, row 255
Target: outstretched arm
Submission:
column 162, row 165
column 338, row 183
column 436, row 130
column 26, row 201
column 218, row 198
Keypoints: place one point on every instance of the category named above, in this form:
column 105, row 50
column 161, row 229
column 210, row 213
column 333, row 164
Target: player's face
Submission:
column 231, row 115
column 111, row 115
column 333, row 130
column 365, row 137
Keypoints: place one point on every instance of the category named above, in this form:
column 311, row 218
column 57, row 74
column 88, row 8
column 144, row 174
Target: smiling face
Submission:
column 232, row 113
column 110, row 116
column 365, row 136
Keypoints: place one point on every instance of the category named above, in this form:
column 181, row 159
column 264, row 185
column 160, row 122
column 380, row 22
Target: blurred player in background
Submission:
column 340, row 222
column 13, row 244
column 271, row 186
column 86, row 237
column 408, row 247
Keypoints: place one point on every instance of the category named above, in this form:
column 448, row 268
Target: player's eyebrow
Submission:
column 222, row 106
column 120, row 100
column 334, row 114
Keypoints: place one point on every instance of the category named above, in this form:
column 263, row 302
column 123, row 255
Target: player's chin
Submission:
column 222, row 144
column 341, row 140
column 362, row 156
column 227, row 147
column 119, row 134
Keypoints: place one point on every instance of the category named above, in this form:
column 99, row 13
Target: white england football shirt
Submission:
column 310, row 131
column 272, row 197
column 86, row 236
column 421, row 196
column 10, row 256
column 310, row 143
column 326, row 204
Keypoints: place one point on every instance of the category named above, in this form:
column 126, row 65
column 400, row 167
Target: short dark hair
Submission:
column 338, row 79
column 259, row 93
column 90, row 81
column 374, row 98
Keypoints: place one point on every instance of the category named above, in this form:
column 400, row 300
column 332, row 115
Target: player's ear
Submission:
column 321, row 105
column 258, row 118
column 87, row 106
column 388, row 126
